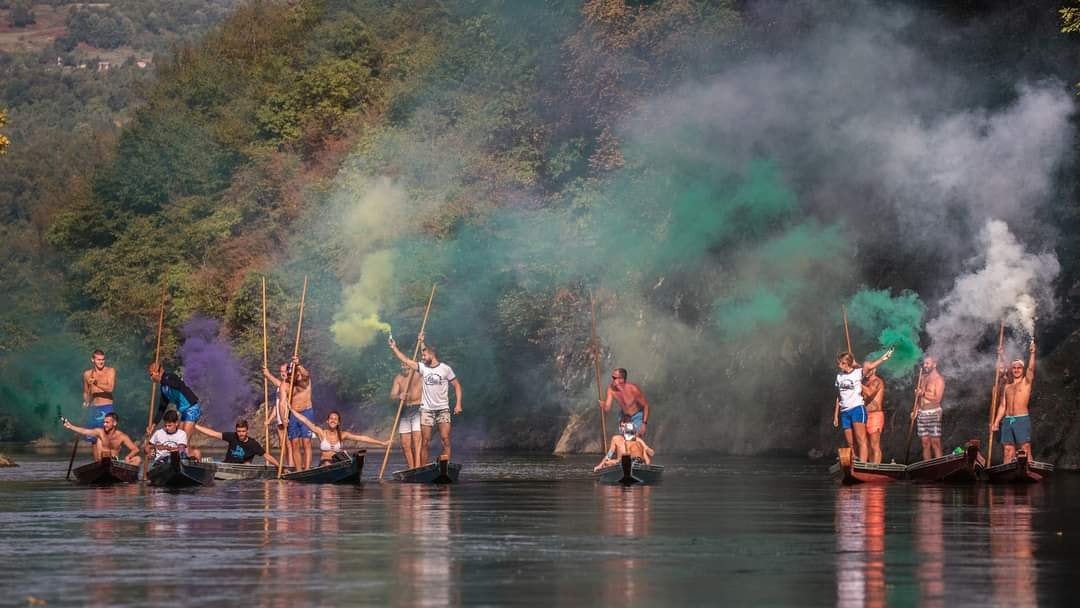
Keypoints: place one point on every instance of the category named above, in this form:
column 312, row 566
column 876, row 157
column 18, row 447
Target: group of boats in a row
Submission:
column 967, row 466
column 178, row 472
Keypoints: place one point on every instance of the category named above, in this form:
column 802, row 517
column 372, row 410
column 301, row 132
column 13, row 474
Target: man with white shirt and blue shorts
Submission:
column 850, row 412
column 436, row 378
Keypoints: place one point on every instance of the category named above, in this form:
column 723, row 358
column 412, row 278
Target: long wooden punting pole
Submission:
column 847, row 334
column 266, row 383
column 153, row 385
column 292, row 384
column 408, row 387
column 596, row 365
column 914, row 411
column 994, row 395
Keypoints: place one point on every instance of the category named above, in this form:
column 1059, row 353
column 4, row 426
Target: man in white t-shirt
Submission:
column 850, row 409
column 436, row 378
column 170, row 438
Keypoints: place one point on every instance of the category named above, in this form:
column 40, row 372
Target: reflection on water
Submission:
column 530, row 530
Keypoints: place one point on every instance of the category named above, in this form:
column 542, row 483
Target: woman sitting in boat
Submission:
column 626, row 443
column 332, row 436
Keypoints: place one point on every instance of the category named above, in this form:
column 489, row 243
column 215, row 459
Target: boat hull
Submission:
column 234, row 471
column 962, row 468
column 440, row 472
column 106, row 471
column 847, row 472
column 628, row 472
column 1020, row 471
column 176, row 472
column 341, row 472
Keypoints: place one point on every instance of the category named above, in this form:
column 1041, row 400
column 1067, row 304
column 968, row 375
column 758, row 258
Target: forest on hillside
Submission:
column 719, row 176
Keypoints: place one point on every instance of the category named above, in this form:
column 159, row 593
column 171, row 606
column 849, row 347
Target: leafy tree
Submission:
column 21, row 14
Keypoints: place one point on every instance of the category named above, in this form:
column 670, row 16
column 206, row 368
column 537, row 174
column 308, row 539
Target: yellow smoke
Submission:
column 357, row 324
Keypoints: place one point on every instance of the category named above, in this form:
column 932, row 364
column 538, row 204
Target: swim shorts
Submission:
column 433, row 417
column 191, row 414
column 410, row 420
column 851, row 416
column 875, row 421
column 297, row 429
column 96, row 418
column 1016, row 430
column 928, row 423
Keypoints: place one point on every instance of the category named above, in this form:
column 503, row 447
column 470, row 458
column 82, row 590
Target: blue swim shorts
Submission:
column 850, row 417
column 191, row 414
column 297, row 430
column 96, row 418
column 637, row 419
column 1016, row 430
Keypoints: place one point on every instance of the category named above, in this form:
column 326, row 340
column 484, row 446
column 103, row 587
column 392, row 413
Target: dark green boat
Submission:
column 440, row 472
column 106, row 471
column 630, row 472
column 177, row 472
column 346, row 469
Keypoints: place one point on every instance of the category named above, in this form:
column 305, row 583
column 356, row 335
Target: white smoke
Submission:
column 1009, row 284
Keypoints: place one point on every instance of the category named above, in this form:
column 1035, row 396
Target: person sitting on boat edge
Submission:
column 174, row 390
column 627, row 442
column 170, row 438
column 242, row 448
column 632, row 401
column 1012, row 416
column 850, row 411
column 332, row 436
column 108, row 439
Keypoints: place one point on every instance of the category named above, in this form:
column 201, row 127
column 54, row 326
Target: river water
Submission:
column 537, row 530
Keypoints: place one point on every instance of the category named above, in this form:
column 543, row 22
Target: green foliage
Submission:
column 21, row 13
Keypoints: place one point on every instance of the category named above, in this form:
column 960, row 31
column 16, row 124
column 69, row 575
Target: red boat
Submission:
column 966, row 467
column 847, row 471
column 1021, row 470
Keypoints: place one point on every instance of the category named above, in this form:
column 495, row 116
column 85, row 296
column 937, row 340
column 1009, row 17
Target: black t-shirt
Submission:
column 241, row 451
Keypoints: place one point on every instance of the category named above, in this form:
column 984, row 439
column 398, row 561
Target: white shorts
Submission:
column 410, row 420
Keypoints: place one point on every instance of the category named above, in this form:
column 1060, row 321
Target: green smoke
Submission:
column 737, row 316
column 896, row 321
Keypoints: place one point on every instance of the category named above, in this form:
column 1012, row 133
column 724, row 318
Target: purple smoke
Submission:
column 210, row 369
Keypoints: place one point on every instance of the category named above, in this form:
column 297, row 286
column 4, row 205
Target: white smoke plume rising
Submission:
column 1009, row 284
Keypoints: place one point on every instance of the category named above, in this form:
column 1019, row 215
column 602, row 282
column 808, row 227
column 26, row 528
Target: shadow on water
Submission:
column 527, row 530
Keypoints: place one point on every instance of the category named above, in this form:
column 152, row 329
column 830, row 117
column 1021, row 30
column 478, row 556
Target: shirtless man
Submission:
column 928, row 414
column 850, row 411
column 299, row 435
column 1014, row 410
column 436, row 378
column 108, row 439
column 98, row 384
column 281, row 406
column 874, row 396
column 408, row 387
column 627, row 442
column 634, row 405
column 174, row 390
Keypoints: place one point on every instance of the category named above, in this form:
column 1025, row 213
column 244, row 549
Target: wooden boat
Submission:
column 345, row 470
column 442, row 471
column 847, row 472
column 630, row 472
column 235, row 471
column 106, row 471
column 966, row 467
column 177, row 472
column 1021, row 470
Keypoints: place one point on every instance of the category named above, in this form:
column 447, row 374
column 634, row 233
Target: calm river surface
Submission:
column 537, row 530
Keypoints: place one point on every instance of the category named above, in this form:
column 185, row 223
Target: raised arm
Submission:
column 209, row 432
column 876, row 362
column 400, row 355
column 1031, row 362
column 80, row 430
column 363, row 438
column 457, row 394
column 309, row 424
column 273, row 379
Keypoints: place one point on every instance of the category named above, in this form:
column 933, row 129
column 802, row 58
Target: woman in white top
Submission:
column 332, row 436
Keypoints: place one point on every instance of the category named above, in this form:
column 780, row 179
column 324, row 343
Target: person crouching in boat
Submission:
column 873, row 390
column 332, row 436
column 627, row 442
column 109, row 439
column 170, row 438
column 1012, row 416
column 243, row 448
column 850, row 409
column 175, row 391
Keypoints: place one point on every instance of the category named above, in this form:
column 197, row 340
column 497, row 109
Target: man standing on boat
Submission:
column 928, row 415
column 874, row 395
column 1012, row 416
column 242, row 447
column 632, row 401
column 175, row 391
column 850, row 411
column 108, row 439
column 408, row 387
column 281, row 409
column 436, row 378
column 98, row 384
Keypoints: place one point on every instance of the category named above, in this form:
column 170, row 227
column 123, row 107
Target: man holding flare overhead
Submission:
column 436, row 378
column 850, row 411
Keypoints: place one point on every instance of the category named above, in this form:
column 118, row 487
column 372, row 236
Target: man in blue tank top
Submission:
column 173, row 390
